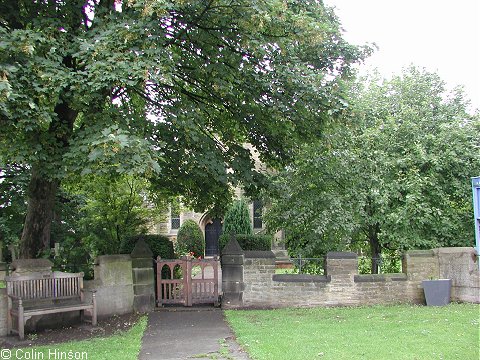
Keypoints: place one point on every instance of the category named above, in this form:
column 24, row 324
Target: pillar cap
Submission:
column 141, row 250
column 232, row 247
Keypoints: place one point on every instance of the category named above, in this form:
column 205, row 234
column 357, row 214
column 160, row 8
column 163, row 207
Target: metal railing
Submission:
column 385, row 265
column 316, row 266
column 304, row 265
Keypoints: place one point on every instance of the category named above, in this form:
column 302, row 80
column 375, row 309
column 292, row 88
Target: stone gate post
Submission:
column 232, row 274
column 143, row 278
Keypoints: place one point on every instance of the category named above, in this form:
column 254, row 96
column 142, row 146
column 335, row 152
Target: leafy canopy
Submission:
column 170, row 89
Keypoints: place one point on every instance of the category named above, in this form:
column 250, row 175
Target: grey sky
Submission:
column 440, row 35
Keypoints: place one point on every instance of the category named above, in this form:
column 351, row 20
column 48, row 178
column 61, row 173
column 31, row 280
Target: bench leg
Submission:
column 94, row 310
column 21, row 321
column 9, row 316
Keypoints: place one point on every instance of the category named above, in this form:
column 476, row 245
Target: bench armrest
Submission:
column 14, row 297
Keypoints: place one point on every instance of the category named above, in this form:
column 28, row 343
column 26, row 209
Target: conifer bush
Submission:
column 237, row 219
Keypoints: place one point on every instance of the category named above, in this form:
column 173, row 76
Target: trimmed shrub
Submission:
column 190, row 239
column 159, row 244
column 237, row 219
column 249, row 242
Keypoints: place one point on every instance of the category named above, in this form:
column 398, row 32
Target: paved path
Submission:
column 189, row 333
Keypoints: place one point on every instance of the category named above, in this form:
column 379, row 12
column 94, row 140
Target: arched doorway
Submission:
column 213, row 230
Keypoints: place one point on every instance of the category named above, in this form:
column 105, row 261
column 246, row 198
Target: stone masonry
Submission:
column 113, row 284
column 343, row 286
column 143, row 278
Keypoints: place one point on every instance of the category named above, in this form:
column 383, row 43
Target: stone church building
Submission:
column 211, row 227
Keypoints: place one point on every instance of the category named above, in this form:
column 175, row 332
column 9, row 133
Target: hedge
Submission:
column 159, row 244
column 249, row 242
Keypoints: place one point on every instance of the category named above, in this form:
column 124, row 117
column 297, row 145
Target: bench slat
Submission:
column 54, row 309
column 45, row 288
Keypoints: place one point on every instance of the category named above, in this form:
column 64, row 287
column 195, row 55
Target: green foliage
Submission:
column 73, row 254
column 224, row 239
column 190, row 239
column 249, row 242
column 313, row 268
column 237, row 219
column 13, row 207
column 395, row 175
column 159, row 244
column 166, row 89
column 96, row 216
column 390, row 263
column 115, row 208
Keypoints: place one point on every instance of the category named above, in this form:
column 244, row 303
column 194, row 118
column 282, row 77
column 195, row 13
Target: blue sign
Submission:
column 476, row 213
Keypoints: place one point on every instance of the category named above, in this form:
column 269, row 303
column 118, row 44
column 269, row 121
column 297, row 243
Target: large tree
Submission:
column 171, row 89
column 395, row 175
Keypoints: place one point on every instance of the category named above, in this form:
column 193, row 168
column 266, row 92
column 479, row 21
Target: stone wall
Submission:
column 258, row 269
column 460, row 265
column 343, row 286
column 124, row 283
column 113, row 284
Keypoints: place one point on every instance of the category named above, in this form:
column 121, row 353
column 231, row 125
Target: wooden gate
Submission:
column 187, row 281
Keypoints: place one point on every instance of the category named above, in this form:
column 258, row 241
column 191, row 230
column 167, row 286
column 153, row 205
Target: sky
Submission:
column 440, row 35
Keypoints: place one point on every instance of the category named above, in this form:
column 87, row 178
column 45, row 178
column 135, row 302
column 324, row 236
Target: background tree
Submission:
column 190, row 239
column 101, row 215
column 396, row 175
column 167, row 89
column 115, row 208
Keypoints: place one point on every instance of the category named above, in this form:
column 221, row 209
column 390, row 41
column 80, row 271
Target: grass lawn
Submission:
column 123, row 346
column 378, row 332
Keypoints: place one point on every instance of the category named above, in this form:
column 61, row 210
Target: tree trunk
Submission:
column 36, row 231
column 375, row 248
column 43, row 188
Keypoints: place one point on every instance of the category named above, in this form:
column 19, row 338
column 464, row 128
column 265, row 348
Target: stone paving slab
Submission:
column 189, row 333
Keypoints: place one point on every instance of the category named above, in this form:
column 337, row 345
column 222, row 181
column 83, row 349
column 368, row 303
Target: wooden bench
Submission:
column 41, row 294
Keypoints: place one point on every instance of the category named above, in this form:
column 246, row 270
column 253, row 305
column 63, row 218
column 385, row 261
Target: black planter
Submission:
column 437, row 292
